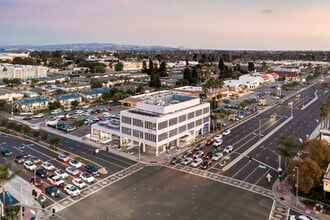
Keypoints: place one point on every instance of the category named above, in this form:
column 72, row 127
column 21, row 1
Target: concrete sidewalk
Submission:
column 283, row 192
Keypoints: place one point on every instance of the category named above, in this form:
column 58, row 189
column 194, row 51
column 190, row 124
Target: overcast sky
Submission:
column 202, row 24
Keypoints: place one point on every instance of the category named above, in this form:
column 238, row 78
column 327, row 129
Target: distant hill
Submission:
column 85, row 47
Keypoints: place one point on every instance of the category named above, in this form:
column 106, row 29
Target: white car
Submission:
column 218, row 137
column 75, row 163
column 48, row 166
column 198, row 154
column 217, row 143
column 63, row 157
column 299, row 217
column 226, row 132
column 217, row 156
column 186, row 161
column 61, row 173
column 72, row 170
column 55, row 180
column 79, row 183
column 228, row 148
column 29, row 165
column 87, row 177
column 196, row 162
column 72, row 190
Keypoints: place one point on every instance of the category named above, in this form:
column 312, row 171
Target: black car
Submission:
column 19, row 159
column 52, row 191
column 208, row 155
column 187, row 154
column 41, row 172
column 6, row 152
column 206, row 164
column 91, row 169
column 25, row 154
column 175, row 160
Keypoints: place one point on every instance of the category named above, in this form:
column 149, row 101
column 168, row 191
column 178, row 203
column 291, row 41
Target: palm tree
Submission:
column 325, row 113
column 5, row 176
column 287, row 147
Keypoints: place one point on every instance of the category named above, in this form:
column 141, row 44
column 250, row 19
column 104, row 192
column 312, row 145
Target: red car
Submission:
column 64, row 119
column 36, row 181
column 109, row 109
column 209, row 141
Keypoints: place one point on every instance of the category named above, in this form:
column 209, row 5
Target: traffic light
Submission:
column 53, row 210
column 230, row 153
column 250, row 159
column 33, row 192
column 23, row 208
column 280, row 174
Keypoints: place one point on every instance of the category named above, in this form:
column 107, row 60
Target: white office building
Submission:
column 23, row 72
column 160, row 119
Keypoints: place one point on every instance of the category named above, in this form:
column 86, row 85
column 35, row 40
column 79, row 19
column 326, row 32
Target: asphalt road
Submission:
column 162, row 193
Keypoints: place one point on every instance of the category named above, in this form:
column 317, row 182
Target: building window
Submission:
column 126, row 120
column 206, row 110
column 206, row 119
column 137, row 122
column 162, row 125
column 191, row 125
column 182, row 128
column 173, row 132
column 125, row 130
column 199, row 122
column 173, row 121
column 150, row 125
column 182, row 118
column 138, row 134
column 198, row 112
column 191, row 115
column 150, row 137
column 162, row 136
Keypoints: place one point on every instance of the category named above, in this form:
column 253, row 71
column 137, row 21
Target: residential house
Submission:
column 66, row 99
column 32, row 105
column 94, row 94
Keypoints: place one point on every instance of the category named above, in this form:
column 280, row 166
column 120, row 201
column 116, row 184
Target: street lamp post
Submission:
column 297, row 179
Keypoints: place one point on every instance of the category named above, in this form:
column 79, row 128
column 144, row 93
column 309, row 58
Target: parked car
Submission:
column 186, row 161
column 72, row 170
column 6, row 152
column 25, row 154
column 218, row 137
column 199, row 146
column 175, row 160
column 61, row 173
column 208, row 155
column 75, row 163
column 87, row 177
column 187, row 154
column 29, row 165
column 209, row 141
column 217, row 156
column 52, row 191
column 63, row 157
column 36, row 181
column 35, row 159
column 198, row 154
column 91, row 169
column 196, row 162
column 55, row 180
column 206, row 164
column 72, row 190
column 41, row 172
column 19, row 159
column 79, row 183
column 48, row 166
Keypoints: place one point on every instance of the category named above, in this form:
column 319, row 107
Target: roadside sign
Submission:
column 262, row 166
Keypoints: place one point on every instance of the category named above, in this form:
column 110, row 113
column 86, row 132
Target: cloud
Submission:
column 267, row 11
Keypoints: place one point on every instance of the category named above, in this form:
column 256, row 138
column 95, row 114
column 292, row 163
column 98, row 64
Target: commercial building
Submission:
column 23, row 72
column 160, row 119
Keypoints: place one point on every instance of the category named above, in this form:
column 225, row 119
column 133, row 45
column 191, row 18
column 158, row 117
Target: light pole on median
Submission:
column 297, row 179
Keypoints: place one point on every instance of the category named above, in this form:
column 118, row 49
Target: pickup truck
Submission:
column 55, row 180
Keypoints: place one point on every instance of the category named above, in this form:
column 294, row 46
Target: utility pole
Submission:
column 297, row 184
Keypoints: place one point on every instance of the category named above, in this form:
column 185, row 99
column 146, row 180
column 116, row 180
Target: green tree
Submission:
column 6, row 174
column 139, row 90
column 95, row 83
column 54, row 105
column 26, row 129
column 36, row 133
column 54, row 140
column 287, row 147
column 318, row 151
column 75, row 103
column 119, row 66
column 44, row 136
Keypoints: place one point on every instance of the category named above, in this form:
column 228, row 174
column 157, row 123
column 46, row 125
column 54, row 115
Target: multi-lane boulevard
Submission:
column 132, row 191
